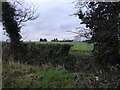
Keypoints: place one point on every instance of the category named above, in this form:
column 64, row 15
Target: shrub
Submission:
column 36, row 53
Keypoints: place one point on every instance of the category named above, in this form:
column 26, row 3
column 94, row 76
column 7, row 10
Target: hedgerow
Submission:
column 36, row 53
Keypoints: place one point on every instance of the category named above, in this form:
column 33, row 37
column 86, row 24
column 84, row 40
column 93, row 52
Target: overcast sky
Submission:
column 53, row 22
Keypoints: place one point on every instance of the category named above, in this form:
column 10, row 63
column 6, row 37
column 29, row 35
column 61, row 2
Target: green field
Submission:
column 77, row 46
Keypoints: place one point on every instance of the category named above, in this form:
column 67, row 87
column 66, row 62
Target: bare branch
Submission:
column 24, row 14
column 83, row 32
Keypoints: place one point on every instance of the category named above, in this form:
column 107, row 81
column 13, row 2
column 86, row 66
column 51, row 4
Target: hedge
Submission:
column 36, row 53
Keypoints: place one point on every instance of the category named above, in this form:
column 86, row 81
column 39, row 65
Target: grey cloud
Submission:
column 54, row 21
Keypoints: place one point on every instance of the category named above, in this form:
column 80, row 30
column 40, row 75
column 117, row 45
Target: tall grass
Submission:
column 17, row 75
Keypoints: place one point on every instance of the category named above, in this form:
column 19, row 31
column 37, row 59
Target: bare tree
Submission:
column 15, row 12
column 83, row 32
column 24, row 14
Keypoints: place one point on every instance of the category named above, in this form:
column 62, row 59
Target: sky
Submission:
column 53, row 22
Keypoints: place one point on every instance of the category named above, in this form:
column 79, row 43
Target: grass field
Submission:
column 77, row 46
